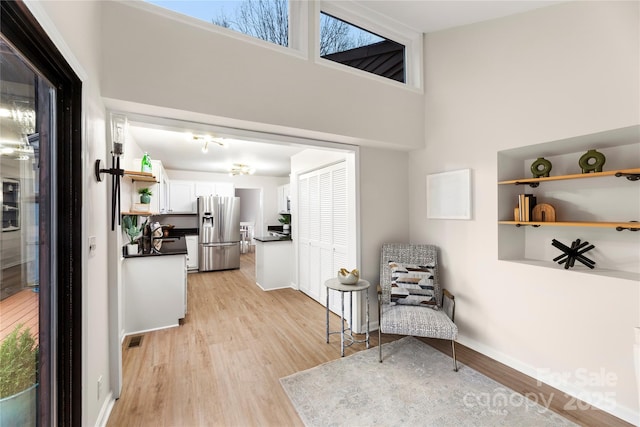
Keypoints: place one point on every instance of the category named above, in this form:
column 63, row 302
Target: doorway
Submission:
column 40, row 242
column 251, row 214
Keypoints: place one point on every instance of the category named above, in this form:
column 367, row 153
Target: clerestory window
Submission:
column 348, row 34
column 355, row 47
column 266, row 20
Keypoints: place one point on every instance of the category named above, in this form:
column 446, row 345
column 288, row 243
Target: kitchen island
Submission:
column 273, row 262
column 155, row 289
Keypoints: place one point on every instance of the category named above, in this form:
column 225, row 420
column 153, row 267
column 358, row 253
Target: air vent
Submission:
column 135, row 341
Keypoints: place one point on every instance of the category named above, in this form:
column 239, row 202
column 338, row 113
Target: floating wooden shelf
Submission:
column 574, row 176
column 140, row 176
column 624, row 225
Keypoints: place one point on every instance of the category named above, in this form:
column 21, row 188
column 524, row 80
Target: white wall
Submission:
column 384, row 218
column 75, row 29
column 153, row 60
column 557, row 72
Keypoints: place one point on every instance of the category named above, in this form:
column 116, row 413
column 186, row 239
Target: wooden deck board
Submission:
column 19, row 308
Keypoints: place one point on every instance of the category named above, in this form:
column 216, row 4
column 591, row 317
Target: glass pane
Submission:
column 263, row 19
column 25, row 100
column 355, row 47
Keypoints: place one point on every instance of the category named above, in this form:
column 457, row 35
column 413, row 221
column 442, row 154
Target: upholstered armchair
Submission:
column 422, row 308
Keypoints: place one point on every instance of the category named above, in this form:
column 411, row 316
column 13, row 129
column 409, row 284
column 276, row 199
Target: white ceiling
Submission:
column 170, row 143
column 174, row 145
column 427, row 16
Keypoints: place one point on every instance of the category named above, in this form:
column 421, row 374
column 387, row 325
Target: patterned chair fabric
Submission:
column 414, row 320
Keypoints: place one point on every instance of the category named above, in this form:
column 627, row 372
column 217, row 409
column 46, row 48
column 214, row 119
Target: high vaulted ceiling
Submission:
column 169, row 143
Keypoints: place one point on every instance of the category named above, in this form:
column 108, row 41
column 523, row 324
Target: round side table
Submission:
column 347, row 333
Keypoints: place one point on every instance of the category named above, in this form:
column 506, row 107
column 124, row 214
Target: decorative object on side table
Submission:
column 18, row 380
column 592, row 161
column 573, row 253
column 130, row 227
column 347, row 277
column 541, row 168
column 145, row 195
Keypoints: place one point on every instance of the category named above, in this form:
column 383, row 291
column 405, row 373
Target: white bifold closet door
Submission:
column 322, row 231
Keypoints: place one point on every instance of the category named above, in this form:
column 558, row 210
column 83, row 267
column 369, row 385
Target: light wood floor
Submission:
column 222, row 366
column 21, row 307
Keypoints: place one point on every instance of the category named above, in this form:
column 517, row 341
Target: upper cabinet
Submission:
column 182, row 197
column 183, row 194
column 283, row 199
column 599, row 207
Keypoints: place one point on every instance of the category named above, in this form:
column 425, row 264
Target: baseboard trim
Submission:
column 558, row 401
column 105, row 411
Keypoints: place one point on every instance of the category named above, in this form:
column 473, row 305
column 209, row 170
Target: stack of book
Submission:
column 526, row 202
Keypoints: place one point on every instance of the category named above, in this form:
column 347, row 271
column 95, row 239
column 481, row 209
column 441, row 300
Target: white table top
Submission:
column 336, row 285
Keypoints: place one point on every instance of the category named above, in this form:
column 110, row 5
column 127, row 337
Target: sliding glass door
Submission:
column 40, row 263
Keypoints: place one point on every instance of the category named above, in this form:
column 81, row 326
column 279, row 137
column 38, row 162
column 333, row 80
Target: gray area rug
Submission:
column 414, row 386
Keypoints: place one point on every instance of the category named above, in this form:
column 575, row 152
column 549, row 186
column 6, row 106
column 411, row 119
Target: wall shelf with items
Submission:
column 629, row 174
column 587, row 210
column 140, row 176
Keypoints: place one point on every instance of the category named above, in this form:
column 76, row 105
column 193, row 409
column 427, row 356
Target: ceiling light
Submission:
column 241, row 169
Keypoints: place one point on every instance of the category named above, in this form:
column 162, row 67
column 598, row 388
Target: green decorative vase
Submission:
column 592, row 161
column 145, row 199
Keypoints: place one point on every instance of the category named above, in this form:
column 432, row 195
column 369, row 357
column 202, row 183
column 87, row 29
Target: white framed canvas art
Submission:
column 449, row 195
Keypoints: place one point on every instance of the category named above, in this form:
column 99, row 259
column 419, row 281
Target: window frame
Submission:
column 364, row 18
column 298, row 39
column 304, row 35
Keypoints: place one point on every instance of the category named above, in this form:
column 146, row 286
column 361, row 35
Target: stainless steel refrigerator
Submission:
column 218, row 233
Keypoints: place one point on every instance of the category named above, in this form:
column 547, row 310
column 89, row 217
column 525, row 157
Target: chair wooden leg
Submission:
column 379, row 344
column 455, row 362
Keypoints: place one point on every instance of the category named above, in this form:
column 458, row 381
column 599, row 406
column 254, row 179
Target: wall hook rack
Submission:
column 528, row 225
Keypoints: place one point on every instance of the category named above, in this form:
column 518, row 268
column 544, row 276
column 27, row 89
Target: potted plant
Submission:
column 285, row 220
column 18, row 377
column 145, row 195
column 130, row 227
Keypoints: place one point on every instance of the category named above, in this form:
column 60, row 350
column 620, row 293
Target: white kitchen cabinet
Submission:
column 283, row 198
column 182, row 197
column 184, row 194
column 273, row 265
column 205, row 188
column 154, row 292
column 192, row 252
column 225, row 189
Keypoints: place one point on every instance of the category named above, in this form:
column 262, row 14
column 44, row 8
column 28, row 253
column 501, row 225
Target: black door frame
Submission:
column 19, row 26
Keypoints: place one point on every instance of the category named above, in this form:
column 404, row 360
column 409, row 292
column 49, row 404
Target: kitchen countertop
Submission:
column 170, row 246
column 163, row 253
column 266, row 239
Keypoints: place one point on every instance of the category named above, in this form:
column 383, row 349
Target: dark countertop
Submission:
column 170, row 246
column 164, row 253
column 266, row 239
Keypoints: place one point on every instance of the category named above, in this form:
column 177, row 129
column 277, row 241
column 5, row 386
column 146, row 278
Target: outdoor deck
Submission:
column 19, row 308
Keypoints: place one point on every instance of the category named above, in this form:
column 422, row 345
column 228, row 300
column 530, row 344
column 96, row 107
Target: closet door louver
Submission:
column 323, row 216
